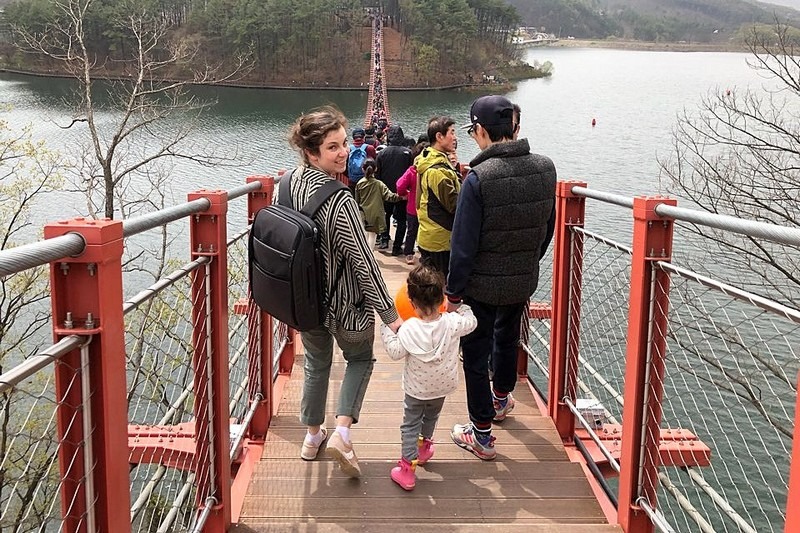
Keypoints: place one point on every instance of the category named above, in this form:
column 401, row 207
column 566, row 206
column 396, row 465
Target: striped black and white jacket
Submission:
column 360, row 289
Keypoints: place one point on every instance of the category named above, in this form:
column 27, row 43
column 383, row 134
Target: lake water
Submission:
column 633, row 96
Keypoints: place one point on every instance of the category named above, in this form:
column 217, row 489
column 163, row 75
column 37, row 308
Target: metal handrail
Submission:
column 40, row 253
column 163, row 283
column 610, row 198
column 241, row 190
column 750, row 228
column 133, row 226
column 30, row 366
column 14, row 260
column 734, row 292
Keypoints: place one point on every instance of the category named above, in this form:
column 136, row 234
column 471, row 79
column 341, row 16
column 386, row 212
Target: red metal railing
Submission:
column 638, row 449
column 90, row 390
column 92, row 410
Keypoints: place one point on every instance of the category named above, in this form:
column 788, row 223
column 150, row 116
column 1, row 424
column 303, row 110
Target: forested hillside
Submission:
column 302, row 42
column 651, row 20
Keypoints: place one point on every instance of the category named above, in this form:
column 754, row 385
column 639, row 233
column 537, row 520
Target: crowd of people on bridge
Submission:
column 481, row 232
column 378, row 106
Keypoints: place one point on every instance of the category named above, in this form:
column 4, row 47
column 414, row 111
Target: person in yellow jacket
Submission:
column 437, row 194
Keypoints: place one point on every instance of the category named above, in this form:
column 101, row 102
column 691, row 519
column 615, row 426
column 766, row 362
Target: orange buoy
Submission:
column 594, row 123
column 404, row 307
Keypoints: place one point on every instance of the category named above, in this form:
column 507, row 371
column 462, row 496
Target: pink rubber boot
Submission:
column 425, row 450
column 403, row 474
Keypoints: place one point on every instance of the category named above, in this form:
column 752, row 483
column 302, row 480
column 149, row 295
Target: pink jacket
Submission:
column 407, row 186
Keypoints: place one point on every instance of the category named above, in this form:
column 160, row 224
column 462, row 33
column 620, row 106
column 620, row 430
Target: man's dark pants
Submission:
column 497, row 335
column 436, row 260
column 398, row 209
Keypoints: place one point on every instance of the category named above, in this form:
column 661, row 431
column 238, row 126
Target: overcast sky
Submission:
column 791, row 3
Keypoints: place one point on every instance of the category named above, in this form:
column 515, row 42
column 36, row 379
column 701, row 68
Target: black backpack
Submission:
column 285, row 262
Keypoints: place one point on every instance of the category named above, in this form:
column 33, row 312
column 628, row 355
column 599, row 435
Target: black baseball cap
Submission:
column 358, row 133
column 492, row 110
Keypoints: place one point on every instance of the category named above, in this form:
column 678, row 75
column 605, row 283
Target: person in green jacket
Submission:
column 370, row 195
column 437, row 194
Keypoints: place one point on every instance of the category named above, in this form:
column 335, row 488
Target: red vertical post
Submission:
column 793, row 498
column 86, row 299
column 644, row 363
column 260, row 337
column 208, row 237
column 570, row 212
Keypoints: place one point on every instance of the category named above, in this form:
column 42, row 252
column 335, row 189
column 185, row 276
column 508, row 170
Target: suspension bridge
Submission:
column 650, row 396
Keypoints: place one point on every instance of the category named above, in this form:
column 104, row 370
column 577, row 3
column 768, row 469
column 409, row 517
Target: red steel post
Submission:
column 86, row 299
column 793, row 498
column 570, row 212
column 644, row 363
column 259, row 336
column 208, row 237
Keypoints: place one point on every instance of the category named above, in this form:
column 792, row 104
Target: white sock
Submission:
column 344, row 432
column 315, row 440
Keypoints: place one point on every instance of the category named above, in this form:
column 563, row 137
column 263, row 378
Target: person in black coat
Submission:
column 393, row 161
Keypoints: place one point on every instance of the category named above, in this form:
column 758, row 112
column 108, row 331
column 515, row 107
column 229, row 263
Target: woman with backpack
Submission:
column 354, row 288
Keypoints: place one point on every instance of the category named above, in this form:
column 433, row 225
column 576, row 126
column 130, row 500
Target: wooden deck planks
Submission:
column 531, row 486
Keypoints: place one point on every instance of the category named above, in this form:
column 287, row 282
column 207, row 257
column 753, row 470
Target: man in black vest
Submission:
column 504, row 222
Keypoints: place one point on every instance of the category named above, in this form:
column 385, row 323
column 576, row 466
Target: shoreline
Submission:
column 649, row 46
column 476, row 87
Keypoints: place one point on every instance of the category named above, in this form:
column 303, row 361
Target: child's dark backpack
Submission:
column 358, row 154
column 286, row 269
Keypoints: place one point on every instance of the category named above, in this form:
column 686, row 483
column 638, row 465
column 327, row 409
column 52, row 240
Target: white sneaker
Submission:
column 344, row 454
column 310, row 451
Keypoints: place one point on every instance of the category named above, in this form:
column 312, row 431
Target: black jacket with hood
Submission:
column 395, row 159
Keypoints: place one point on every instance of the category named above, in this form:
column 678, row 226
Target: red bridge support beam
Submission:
column 87, row 300
column 644, row 363
column 565, row 321
column 208, row 237
column 793, row 498
column 259, row 337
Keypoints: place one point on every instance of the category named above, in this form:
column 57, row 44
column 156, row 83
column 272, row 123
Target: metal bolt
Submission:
column 65, row 268
column 89, row 321
column 197, row 218
column 213, row 218
column 649, row 223
column 663, row 253
column 92, row 268
column 200, row 247
column 652, row 252
column 68, row 321
column 211, row 248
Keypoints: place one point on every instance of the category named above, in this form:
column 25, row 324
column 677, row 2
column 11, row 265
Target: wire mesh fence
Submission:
column 30, row 449
column 238, row 295
column 728, row 379
column 161, row 393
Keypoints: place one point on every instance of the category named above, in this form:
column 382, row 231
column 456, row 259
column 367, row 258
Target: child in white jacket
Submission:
column 429, row 344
